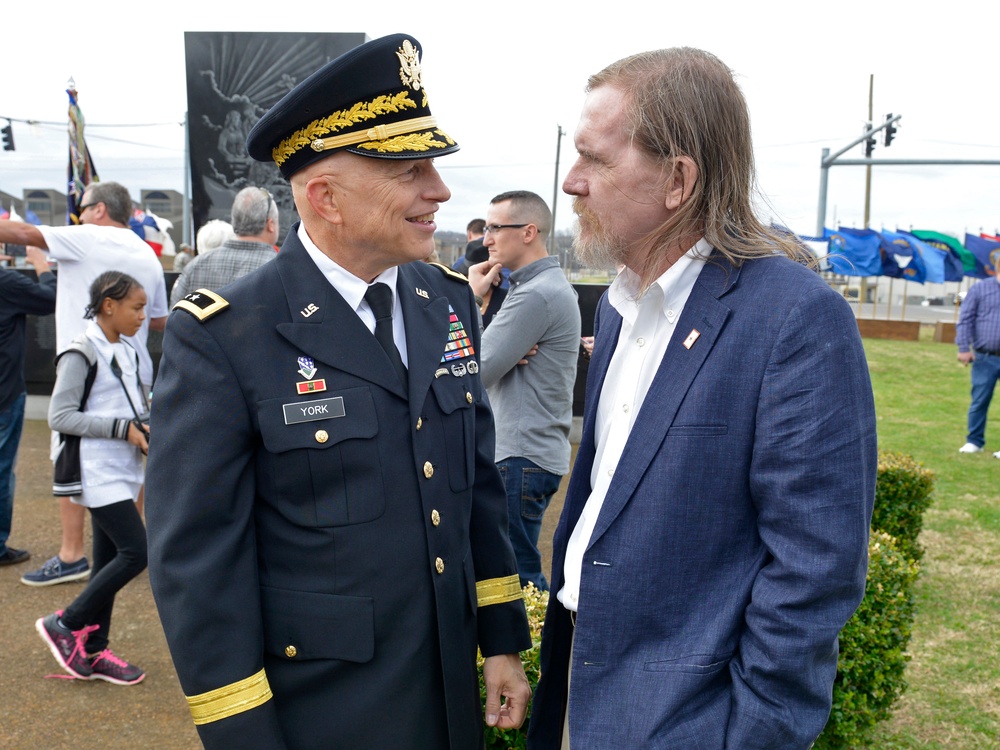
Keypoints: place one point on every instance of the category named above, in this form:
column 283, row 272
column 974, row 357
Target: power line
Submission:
column 94, row 124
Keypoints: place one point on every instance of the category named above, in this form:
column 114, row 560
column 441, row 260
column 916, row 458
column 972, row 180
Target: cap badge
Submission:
column 409, row 65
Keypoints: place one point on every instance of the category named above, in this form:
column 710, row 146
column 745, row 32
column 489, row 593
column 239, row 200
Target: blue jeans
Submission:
column 11, row 422
column 529, row 490
column 985, row 372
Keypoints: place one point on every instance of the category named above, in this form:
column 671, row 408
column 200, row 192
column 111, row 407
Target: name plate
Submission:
column 310, row 411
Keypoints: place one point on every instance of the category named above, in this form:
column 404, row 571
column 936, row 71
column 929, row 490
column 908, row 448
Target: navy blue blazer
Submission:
column 732, row 544
column 326, row 558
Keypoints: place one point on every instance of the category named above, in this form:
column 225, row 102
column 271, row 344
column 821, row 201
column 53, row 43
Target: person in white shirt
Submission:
column 103, row 242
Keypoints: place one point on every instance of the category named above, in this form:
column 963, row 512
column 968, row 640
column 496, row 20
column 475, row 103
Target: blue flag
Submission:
column 941, row 265
column 982, row 249
column 901, row 258
column 854, row 252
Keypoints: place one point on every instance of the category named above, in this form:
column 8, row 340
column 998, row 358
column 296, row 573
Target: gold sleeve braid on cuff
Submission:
column 230, row 700
column 498, row 590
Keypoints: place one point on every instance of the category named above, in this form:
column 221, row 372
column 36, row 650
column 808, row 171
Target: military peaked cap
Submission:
column 370, row 101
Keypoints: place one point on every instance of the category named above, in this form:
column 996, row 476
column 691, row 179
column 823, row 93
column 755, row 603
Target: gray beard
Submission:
column 599, row 250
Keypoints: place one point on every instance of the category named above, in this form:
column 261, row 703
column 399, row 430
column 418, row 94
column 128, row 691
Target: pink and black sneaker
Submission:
column 110, row 668
column 66, row 645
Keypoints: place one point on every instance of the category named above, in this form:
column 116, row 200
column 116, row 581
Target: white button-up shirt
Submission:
column 648, row 323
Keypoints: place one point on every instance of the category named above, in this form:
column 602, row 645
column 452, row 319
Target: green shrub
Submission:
column 536, row 602
column 902, row 494
column 873, row 648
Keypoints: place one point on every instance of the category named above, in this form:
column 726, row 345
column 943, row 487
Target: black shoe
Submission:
column 13, row 556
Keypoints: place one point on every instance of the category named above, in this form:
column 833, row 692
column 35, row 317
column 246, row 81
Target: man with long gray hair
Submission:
column 714, row 536
column 255, row 222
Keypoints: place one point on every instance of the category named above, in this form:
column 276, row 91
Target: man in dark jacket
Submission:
column 327, row 529
column 19, row 296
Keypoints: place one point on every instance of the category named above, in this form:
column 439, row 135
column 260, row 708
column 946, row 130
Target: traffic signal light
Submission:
column 8, row 137
column 890, row 130
column 869, row 141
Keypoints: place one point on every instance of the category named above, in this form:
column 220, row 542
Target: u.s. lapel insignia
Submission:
column 422, row 293
column 311, row 386
column 692, row 337
column 307, row 367
column 308, row 310
column 459, row 344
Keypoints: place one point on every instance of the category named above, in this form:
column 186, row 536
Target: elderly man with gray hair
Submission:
column 255, row 222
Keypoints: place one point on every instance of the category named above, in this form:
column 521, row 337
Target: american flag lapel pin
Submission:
column 692, row 337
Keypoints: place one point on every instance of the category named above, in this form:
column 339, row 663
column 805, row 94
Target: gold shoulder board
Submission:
column 202, row 303
column 450, row 273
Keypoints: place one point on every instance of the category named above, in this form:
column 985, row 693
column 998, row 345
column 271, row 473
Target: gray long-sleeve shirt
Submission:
column 533, row 403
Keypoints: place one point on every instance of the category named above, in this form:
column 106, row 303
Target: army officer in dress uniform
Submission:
column 327, row 528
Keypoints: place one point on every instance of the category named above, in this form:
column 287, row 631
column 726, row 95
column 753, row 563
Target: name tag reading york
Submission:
column 310, row 411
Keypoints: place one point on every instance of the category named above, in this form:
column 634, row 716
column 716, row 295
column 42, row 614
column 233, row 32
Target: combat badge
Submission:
column 202, row 303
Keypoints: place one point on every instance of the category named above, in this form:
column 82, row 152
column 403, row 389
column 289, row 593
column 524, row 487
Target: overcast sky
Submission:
column 502, row 77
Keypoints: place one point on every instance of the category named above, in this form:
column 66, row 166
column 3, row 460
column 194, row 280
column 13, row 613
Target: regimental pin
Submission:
column 307, row 367
column 309, row 310
column 458, row 369
column 311, row 386
column 440, row 371
column 473, row 367
column 692, row 337
column 422, row 293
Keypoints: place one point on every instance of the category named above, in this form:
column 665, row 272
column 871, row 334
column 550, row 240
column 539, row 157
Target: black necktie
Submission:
column 379, row 299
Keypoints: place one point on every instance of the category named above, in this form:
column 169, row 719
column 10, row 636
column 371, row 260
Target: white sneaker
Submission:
column 972, row 448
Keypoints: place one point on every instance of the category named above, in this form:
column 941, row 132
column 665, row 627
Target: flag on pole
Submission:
column 952, row 245
column 81, row 171
column 903, row 258
column 854, row 252
column 983, row 249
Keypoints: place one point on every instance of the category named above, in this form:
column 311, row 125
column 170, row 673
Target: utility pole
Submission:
column 555, row 191
column 869, row 147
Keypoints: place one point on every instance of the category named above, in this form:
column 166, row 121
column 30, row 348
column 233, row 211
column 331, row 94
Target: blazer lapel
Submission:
column 700, row 325
column 323, row 326
column 426, row 321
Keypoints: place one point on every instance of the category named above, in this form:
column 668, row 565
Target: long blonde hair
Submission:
column 685, row 102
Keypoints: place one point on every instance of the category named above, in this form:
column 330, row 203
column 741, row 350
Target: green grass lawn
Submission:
column 953, row 702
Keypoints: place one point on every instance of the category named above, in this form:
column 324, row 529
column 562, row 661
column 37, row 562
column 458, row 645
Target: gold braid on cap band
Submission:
column 498, row 590
column 230, row 700
column 377, row 133
column 339, row 120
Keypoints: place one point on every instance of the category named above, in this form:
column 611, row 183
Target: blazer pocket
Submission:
column 697, row 430
column 301, row 625
column 325, row 470
column 693, row 664
column 456, row 400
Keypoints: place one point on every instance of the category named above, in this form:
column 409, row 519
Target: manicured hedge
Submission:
column 873, row 648
column 902, row 494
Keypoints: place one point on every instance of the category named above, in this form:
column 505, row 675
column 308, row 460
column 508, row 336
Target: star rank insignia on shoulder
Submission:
column 451, row 274
column 203, row 304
